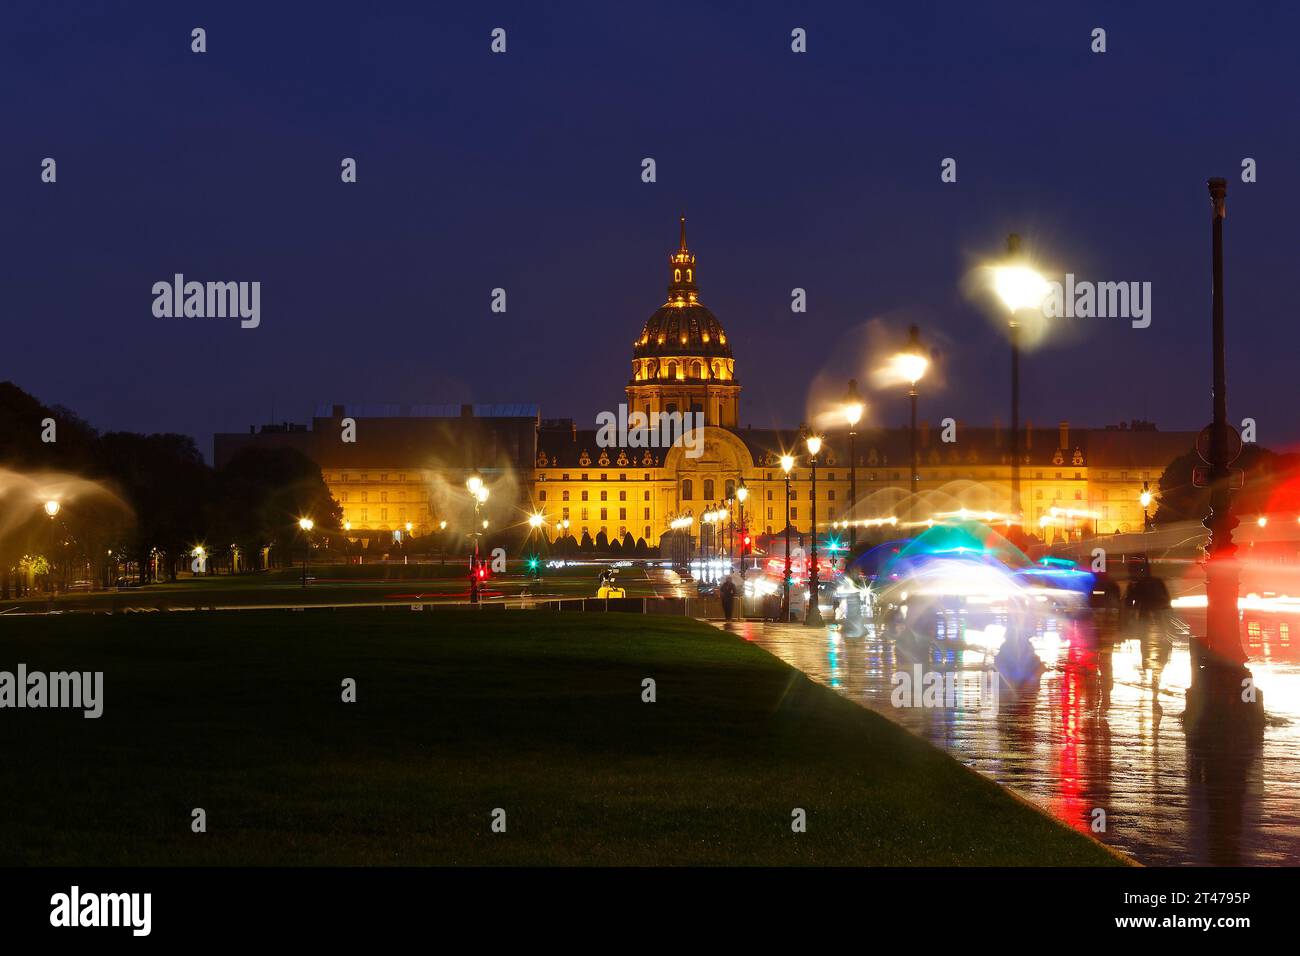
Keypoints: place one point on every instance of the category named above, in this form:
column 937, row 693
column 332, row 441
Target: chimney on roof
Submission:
column 337, row 411
column 467, row 411
column 1029, row 434
column 997, row 433
column 1065, row 434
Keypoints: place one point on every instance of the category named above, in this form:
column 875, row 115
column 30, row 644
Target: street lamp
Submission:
column 787, row 463
column 305, row 524
column 853, row 409
column 909, row 366
column 479, row 493
column 51, row 508
column 1019, row 287
column 813, row 615
column 1145, row 498
column 741, row 494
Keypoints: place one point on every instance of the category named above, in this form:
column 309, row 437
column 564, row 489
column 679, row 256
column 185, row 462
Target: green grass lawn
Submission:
column 461, row 712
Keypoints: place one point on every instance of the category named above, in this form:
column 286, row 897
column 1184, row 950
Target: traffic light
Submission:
column 744, row 543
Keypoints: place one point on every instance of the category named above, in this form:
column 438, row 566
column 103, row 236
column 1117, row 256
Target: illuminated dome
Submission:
column 681, row 361
column 682, row 330
column 682, row 326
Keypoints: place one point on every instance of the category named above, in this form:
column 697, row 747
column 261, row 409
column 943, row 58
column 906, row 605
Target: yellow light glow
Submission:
column 408, row 527
column 742, row 493
column 814, row 444
column 474, row 483
column 853, row 412
column 481, row 494
column 1262, row 520
column 909, row 366
column 306, row 524
column 347, row 526
column 535, row 520
column 787, row 463
column 1145, row 498
column 51, row 508
column 1019, row 287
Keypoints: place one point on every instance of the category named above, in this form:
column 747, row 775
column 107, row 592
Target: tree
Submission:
column 262, row 493
column 1266, row 477
column 587, row 544
column 602, row 541
column 628, row 543
column 166, row 481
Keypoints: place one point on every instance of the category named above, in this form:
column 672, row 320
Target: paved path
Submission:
column 1071, row 747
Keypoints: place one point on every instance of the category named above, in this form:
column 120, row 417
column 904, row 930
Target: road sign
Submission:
column 1206, row 438
column 1201, row 477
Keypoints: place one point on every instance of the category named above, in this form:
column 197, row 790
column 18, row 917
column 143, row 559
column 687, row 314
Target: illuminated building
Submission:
column 410, row 464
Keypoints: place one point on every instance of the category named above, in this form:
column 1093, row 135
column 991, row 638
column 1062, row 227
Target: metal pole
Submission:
column 785, row 598
column 1013, row 247
column 853, row 491
column 813, row 615
column 915, row 487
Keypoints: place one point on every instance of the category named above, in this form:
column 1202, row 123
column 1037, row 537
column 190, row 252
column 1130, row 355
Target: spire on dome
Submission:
column 682, row 289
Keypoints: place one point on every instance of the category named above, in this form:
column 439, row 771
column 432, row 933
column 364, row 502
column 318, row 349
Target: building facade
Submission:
column 408, row 465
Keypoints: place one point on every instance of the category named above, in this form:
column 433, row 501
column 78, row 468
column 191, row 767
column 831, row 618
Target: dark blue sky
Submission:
column 523, row 171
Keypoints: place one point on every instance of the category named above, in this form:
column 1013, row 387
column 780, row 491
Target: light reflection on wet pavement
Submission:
column 1070, row 746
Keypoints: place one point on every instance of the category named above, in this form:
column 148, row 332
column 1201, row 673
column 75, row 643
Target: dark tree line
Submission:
column 143, row 501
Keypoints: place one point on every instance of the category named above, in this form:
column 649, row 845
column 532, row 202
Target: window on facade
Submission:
column 647, row 514
column 622, row 514
column 604, row 514
column 383, row 496
column 541, row 495
column 794, row 514
column 622, row 496
column 688, row 490
column 646, row 496
column 708, row 489
column 604, row 495
column 731, row 487
column 830, row 494
column 584, row 494
column 564, row 495
column 584, row 516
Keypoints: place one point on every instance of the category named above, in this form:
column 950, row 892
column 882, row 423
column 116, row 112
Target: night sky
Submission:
column 522, row 171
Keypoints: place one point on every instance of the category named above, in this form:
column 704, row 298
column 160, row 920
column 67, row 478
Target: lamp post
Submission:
column 741, row 494
column 813, row 614
column 853, row 409
column 1019, row 287
column 1145, row 499
column 306, row 524
column 908, row 366
column 787, row 463
column 1222, row 685
column 731, row 531
column 479, row 492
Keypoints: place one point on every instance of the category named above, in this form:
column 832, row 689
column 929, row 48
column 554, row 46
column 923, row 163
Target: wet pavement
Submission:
column 1073, row 745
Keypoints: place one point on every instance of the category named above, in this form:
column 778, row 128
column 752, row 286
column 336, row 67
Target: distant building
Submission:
column 410, row 464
